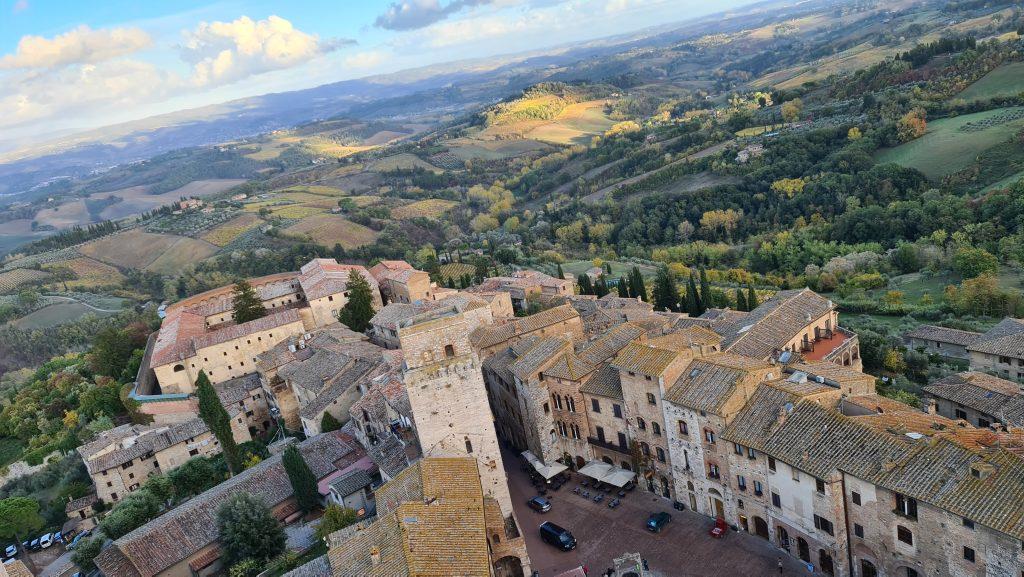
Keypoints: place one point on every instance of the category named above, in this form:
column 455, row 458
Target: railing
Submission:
column 610, row 446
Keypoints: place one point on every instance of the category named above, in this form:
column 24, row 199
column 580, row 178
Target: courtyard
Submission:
column 683, row 549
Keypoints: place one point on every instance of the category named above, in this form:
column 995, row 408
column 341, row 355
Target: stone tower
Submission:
column 449, row 399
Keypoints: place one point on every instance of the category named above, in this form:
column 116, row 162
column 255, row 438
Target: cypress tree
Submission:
column 561, row 275
column 751, row 298
column 247, row 306
column 358, row 311
column 741, row 301
column 608, row 268
column 212, row 412
column 601, row 287
column 303, row 481
column 666, row 295
column 636, row 285
column 705, row 292
column 328, row 423
column 623, row 288
column 692, row 298
column 584, row 281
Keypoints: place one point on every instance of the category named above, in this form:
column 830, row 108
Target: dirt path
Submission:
column 87, row 305
column 604, row 192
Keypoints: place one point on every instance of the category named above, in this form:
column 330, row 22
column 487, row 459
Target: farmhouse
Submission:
column 941, row 341
column 978, row 398
column 1000, row 351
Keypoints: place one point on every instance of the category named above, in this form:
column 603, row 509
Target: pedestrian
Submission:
column 780, row 565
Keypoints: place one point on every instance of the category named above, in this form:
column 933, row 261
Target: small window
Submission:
column 741, row 482
column 969, row 554
column 904, row 534
column 858, row 530
column 641, row 424
column 709, row 436
column 820, row 486
column 750, row 453
column 595, row 405
column 661, row 454
column 855, row 497
column 469, row 446
column 737, row 448
column 713, row 471
column 449, row 352
column 683, row 429
column 906, row 506
column 656, row 429
column 968, row 523
column 771, row 463
column 823, row 524
column 651, row 399
column 758, row 488
column 776, row 501
column 547, row 408
column 617, row 410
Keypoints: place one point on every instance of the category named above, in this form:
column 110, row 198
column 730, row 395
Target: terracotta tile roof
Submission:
column 431, row 521
column 544, row 351
column 81, row 503
column 604, row 382
column 174, row 339
column 17, row 568
column 318, row 567
column 394, row 313
column 770, row 326
column 485, row 337
column 125, row 443
column 238, row 389
column 1004, row 339
column 682, row 339
column 751, row 427
column 802, row 388
column 574, row 366
column 878, row 403
column 321, row 277
column 708, row 383
column 271, row 321
column 943, row 335
column 984, row 393
column 832, row 372
column 185, row 530
column 645, row 359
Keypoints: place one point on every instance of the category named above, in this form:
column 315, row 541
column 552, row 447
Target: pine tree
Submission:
column 666, row 295
column 248, row 530
column 358, row 311
column 752, row 298
column 561, row 275
column 247, row 305
column 212, row 412
column 623, row 288
column 302, row 479
column 328, row 423
column 480, row 267
column 741, row 301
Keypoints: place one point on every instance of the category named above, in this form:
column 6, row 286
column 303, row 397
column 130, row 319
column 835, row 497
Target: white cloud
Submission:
column 83, row 45
column 412, row 14
column 224, row 52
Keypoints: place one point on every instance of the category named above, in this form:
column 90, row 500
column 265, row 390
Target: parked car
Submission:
column 35, row 544
column 45, row 541
column 58, row 537
column 539, row 504
column 657, row 521
column 554, row 535
column 81, row 536
column 11, row 551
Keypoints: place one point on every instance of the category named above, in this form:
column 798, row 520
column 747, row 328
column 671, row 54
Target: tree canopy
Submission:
column 248, row 530
column 302, row 479
column 212, row 412
column 358, row 311
column 247, row 304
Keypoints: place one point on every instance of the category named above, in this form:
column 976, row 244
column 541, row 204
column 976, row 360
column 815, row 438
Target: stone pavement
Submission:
column 682, row 549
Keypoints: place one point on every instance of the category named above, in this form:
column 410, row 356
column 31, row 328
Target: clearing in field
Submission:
column 184, row 252
column 136, row 201
column 56, row 314
column 404, row 161
column 1006, row 80
column 66, row 215
column 130, row 249
column 331, row 229
column 12, row 279
column 575, row 125
column 951, row 144
column 295, row 211
column 470, row 149
column 223, row 234
column 90, row 273
column 429, row 208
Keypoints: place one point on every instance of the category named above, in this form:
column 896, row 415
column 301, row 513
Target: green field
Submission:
column 952, row 144
column 1005, row 183
column 56, row 314
column 1007, row 80
column 574, row 268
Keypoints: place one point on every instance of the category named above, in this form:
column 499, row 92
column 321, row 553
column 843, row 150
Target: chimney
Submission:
column 375, row 556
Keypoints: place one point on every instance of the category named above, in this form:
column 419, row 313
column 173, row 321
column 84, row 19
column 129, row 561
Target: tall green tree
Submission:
column 212, row 412
column 741, row 300
column 248, row 530
column 706, row 299
column 623, row 288
column 692, row 298
column 85, row 553
column 601, row 287
column 358, row 311
column 19, row 518
column 752, row 298
column 636, row 284
column 666, row 294
column 335, row 518
column 328, row 423
column 302, row 478
column 586, row 288
column 247, row 305
column 561, row 275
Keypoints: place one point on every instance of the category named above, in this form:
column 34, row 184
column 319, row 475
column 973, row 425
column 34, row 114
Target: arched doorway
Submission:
column 607, row 459
column 825, row 562
column 761, row 528
column 717, row 505
column 509, row 566
column 783, row 537
column 867, row 569
column 626, row 466
column 803, row 551
column 580, row 463
column 665, row 490
column 693, row 496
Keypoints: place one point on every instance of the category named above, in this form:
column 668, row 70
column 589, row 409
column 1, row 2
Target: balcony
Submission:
column 610, row 446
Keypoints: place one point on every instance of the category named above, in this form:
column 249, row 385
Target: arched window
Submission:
column 656, row 428
column 641, row 424
column 645, row 449
column 179, row 368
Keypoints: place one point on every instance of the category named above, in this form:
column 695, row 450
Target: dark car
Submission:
column 35, row 544
column 539, row 504
column 657, row 521
column 554, row 535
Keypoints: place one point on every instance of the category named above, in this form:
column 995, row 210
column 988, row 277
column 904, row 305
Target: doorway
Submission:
column 761, row 528
column 803, row 551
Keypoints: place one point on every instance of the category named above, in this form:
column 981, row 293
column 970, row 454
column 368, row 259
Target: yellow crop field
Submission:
column 402, row 161
column 316, row 189
column 90, row 273
column 223, row 234
column 331, row 229
column 295, row 211
column 12, row 279
column 429, row 208
column 456, row 270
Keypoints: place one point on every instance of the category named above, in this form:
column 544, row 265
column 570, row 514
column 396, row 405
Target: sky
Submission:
column 72, row 64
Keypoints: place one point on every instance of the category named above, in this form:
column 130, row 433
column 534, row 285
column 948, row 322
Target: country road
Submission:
column 81, row 302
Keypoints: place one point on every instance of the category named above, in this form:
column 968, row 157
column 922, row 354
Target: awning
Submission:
column 546, row 471
column 607, row 473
